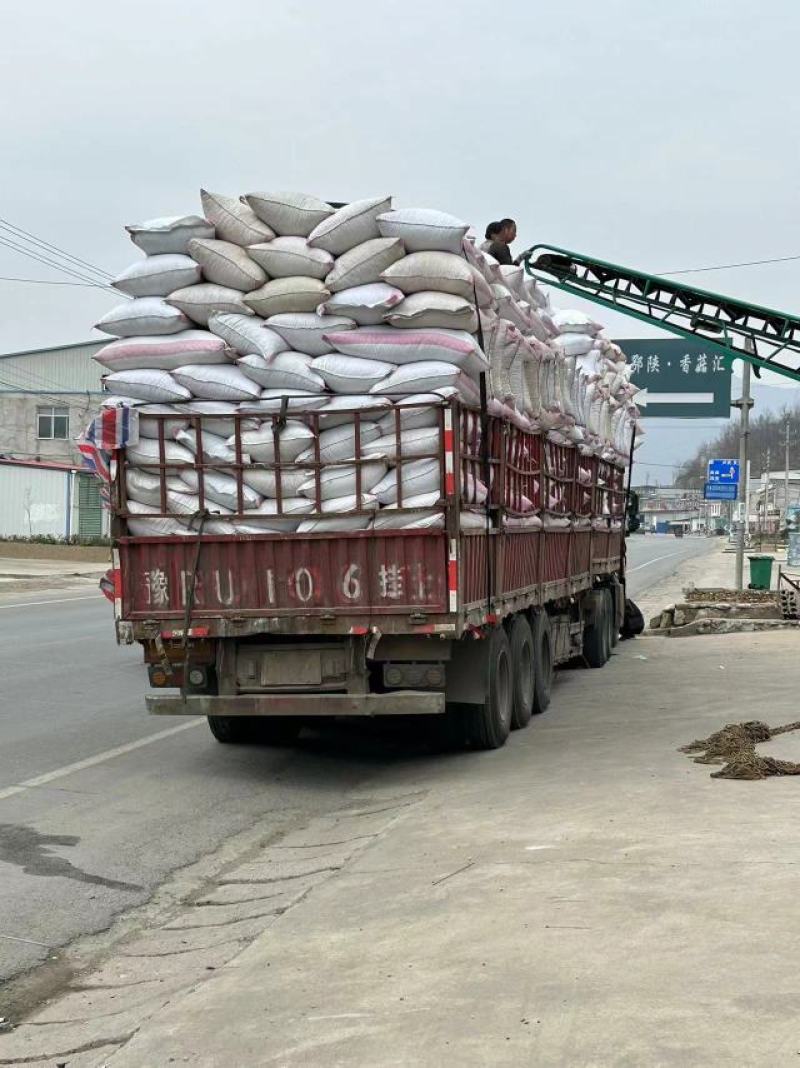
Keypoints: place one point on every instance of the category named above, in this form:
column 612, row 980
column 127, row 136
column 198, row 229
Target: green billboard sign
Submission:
column 684, row 379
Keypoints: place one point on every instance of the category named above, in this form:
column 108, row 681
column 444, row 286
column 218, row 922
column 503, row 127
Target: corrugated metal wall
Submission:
column 53, row 370
column 33, row 501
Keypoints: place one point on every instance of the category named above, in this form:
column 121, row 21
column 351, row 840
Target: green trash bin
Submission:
column 760, row 572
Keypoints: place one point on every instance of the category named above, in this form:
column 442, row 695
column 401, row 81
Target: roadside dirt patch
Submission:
column 26, row 550
column 735, row 748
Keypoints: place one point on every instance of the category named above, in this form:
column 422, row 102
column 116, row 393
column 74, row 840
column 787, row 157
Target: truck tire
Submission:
column 277, row 730
column 520, row 639
column 596, row 634
column 611, row 618
column 617, row 610
column 542, row 660
column 488, row 725
column 233, row 730
column 268, row 730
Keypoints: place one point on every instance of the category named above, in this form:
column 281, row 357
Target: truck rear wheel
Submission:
column 233, row 730
column 489, row 724
column 269, row 730
column 542, row 660
column 596, row 634
column 520, row 639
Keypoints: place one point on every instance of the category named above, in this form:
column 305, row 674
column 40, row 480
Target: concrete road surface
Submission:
column 654, row 557
column 99, row 803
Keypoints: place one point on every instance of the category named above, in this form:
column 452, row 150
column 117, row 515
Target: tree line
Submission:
column 767, row 435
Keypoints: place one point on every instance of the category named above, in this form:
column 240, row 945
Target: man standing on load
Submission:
column 499, row 236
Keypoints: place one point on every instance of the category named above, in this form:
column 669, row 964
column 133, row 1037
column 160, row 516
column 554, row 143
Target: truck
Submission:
column 519, row 568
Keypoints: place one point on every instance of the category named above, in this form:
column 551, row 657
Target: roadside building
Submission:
column 45, row 498
column 46, row 398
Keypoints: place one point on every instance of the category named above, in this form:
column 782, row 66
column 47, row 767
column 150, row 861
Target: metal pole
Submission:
column 744, row 435
column 786, row 467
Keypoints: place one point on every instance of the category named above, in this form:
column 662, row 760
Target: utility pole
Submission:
column 744, row 404
column 786, row 465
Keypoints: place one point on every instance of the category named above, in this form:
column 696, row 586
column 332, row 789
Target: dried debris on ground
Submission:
column 735, row 748
column 716, row 595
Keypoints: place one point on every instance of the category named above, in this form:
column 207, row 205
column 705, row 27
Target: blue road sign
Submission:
column 723, row 471
column 720, row 491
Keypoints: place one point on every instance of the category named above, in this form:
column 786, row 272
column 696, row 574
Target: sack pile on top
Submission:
column 280, row 295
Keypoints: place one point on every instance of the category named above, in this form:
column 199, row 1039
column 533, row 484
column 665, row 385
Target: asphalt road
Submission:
column 99, row 803
column 654, row 557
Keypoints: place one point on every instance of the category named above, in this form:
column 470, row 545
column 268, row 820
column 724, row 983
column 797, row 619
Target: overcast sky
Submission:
column 657, row 136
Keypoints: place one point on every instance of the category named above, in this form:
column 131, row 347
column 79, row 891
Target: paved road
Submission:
column 654, row 557
column 99, row 803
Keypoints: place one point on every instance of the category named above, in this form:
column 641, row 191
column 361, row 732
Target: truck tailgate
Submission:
column 359, row 574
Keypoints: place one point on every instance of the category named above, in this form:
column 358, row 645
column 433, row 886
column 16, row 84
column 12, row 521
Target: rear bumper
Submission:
column 400, row 703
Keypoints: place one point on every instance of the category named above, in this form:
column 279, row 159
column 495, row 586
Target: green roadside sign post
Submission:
column 684, row 379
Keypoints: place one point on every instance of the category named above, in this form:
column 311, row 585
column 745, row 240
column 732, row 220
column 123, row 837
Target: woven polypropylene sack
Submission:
column 287, row 370
column 365, row 305
column 233, row 220
column 215, row 382
column 303, row 331
column 169, row 234
column 341, row 517
column 291, row 257
column 222, row 489
column 226, row 264
column 424, row 229
column 289, row 214
column 349, row 226
column 350, row 374
column 340, row 481
column 157, row 276
column 145, row 486
column 423, row 441
column 422, row 377
column 149, row 426
column 215, row 448
column 339, row 442
column 293, row 439
column 441, row 271
column 201, row 301
column 144, row 316
column 146, row 384
column 415, row 477
column 296, row 294
column 264, row 480
column 164, row 352
column 429, row 308
column 411, row 346
column 365, row 263
column 410, row 416
column 296, row 400
column 247, row 334
column 146, row 451
column 218, row 416
column 339, row 409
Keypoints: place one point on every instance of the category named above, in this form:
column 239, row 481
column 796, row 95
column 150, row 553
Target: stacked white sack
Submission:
column 280, row 296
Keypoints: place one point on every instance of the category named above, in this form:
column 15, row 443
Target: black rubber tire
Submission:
column 520, row 639
column 234, row 730
column 617, row 599
column 277, row 730
column 542, row 660
column 612, row 632
column 489, row 724
column 596, row 634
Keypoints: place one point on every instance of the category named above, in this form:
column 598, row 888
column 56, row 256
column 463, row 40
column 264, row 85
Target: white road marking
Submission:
column 99, row 758
column 60, row 600
column 655, row 560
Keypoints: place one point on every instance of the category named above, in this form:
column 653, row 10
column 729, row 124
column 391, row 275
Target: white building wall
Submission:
column 33, row 501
